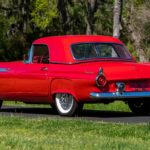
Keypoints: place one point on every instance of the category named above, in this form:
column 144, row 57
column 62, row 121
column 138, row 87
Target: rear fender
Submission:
column 62, row 86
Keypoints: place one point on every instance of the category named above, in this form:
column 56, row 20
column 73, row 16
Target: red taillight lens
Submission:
column 101, row 81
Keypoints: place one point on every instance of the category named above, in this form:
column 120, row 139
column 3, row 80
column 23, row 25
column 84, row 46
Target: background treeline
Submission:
column 22, row 21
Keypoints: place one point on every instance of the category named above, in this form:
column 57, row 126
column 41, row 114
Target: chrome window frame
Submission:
column 31, row 52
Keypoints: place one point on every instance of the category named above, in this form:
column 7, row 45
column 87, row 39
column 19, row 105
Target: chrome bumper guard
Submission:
column 117, row 95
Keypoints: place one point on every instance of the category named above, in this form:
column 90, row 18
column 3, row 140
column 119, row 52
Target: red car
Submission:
column 69, row 71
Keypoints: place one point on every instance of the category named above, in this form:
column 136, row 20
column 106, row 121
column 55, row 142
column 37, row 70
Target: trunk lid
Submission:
column 117, row 70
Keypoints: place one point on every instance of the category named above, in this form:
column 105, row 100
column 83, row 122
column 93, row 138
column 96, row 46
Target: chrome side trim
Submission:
column 4, row 69
column 117, row 95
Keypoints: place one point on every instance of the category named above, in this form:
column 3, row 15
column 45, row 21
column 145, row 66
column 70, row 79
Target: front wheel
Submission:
column 140, row 107
column 65, row 104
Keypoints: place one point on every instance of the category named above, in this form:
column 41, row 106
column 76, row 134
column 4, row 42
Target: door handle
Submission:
column 44, row 69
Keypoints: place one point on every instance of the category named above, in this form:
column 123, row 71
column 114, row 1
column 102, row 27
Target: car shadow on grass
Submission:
column 32, row 111
column 93, row 115
column 50, row 111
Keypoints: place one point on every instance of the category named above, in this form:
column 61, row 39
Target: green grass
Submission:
column 17, row 103
column 116, row 106
column 18, row 133
column 66, row 134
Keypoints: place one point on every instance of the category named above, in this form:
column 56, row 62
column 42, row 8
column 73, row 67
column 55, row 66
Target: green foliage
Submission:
column 103, row 19
column 3, row 28
column 43, row 13
column 116, row 106
column 136, row 25
column 77, row 18
column 16, row 51
column 131, row 48
column 23, row 21
column 3, row 36
column 26, row 134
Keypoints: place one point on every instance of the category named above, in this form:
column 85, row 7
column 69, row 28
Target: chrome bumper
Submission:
column 116, row 95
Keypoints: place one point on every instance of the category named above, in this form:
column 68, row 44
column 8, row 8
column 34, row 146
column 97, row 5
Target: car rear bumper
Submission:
column 116, row 95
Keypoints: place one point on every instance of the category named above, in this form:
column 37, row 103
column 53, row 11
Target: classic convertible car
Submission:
column 69, row 71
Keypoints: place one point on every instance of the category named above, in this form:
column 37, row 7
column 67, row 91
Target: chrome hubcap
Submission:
column 64, row 102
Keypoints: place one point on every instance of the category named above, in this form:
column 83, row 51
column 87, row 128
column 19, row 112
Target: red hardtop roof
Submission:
column 60, row 46
column 77, row 39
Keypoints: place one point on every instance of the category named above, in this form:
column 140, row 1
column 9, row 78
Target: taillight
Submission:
column 101, row 79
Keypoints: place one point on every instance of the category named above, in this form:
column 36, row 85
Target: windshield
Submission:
column 99, row 50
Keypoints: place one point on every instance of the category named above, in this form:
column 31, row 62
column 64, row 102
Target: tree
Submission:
column 136, row 18
column 25, row 14
column 117, row 18
column 103, row 24
column 43, row 13
column 22, row 21
column 17, row 14
column 92, row 7
column 62, row 9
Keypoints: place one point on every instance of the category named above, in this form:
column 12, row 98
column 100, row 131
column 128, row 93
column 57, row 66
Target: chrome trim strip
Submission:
column 4, row 69
column 117, row 95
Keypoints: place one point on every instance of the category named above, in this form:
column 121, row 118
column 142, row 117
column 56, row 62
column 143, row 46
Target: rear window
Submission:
column 99, row 50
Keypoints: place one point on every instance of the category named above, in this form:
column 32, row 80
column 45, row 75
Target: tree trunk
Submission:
column 91, row 9
column 24, row 16
column 134, row 33
column 61, row 5
column 117, row 18
column 137, row 42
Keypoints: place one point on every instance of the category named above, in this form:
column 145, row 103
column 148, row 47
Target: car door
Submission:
column 32, row 82
column 6, row 81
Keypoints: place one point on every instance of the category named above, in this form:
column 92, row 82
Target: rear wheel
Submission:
column 65, row 104
column 139, row 107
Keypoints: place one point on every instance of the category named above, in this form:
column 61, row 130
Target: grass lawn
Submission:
column 19, row 133
column 69, row 134
column 116, row 106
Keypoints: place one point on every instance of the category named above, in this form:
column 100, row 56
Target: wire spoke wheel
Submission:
column 66, row 104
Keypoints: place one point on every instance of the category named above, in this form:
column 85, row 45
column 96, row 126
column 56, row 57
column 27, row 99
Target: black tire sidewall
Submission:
column 143, row 110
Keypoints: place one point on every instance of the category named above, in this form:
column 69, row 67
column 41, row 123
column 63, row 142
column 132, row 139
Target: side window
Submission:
column 40, row 54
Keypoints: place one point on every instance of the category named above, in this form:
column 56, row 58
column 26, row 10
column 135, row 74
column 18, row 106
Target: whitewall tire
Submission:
column 65, row 104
